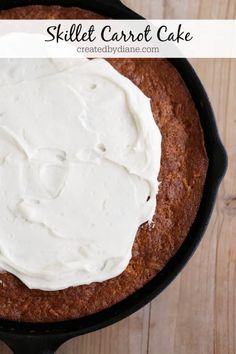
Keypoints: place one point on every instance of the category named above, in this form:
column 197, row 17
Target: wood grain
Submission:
column 196, row 314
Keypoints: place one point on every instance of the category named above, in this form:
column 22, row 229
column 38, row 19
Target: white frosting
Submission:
column 79, row 160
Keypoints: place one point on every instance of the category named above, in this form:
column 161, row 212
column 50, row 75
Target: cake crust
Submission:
column 182, row 176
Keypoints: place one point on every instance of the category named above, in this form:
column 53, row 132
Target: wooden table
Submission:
column 196, row 314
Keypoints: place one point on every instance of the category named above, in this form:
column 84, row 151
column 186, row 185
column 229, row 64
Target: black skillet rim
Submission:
column 217, row 167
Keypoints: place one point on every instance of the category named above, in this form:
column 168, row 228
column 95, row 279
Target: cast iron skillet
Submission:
column 29, row 338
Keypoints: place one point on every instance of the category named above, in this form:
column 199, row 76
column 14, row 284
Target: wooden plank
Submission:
column 171, row 9
column 129, row 336
column 201, row 303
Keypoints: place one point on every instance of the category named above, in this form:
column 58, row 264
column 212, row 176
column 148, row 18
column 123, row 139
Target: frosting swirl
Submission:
column 79, row 159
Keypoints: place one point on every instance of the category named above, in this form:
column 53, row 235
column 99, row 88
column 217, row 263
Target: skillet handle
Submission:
column 25, row 344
